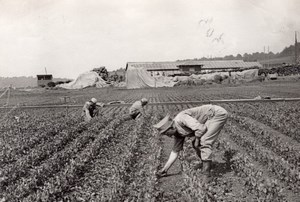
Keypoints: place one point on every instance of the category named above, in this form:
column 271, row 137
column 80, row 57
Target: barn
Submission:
column 145, row 74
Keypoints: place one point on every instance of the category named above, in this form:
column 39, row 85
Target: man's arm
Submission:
column 177, row 147
column 172, row 158
column 100, row 104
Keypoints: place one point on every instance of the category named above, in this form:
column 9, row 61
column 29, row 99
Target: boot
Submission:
column 206, row 171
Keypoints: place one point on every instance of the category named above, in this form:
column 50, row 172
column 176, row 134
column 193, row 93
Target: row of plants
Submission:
column 63, row 171
column 256, row 180
column 194, row 187
column 126, row 172
column 45, row 157
column 280, row 116
column 30, row 171
column 275, row 164
column 283, row 146
column 22, row 142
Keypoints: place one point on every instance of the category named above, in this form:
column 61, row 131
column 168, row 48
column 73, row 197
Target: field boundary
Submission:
column 168, row 103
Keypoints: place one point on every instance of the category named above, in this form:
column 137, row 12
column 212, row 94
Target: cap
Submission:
column 94, row 100
column 164, row 124
column 144, row 100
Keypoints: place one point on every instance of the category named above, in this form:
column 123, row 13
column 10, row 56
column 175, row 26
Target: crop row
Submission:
column 29, row 175
column 40, row 162
column 274, row 163
column 280, row 144
column 125, row 168
column 26, row 141
column 256, row 181
column 284, row 117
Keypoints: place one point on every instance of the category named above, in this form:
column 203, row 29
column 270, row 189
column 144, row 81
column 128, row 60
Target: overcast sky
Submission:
column 69, row 37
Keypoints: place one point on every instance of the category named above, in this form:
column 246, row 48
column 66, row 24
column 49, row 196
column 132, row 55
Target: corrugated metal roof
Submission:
column 155, row 65
column 212, row 64
column 215, row 64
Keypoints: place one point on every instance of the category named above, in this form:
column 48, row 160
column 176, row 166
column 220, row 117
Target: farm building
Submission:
column 146, row 74
column 193, row 66
column 216, row 65
column 44, row 79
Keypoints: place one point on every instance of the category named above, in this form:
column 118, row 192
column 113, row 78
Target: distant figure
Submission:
column 137, row 108
column 90, row 109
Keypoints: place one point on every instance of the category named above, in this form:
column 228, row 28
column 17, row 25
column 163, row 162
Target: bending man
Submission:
column 203, row 124
column 90, row 109
column 137, row 108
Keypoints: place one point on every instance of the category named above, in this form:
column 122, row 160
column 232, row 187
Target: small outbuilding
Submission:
column 44, row 79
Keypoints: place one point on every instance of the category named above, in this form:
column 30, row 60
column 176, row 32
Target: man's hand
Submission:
column 161, row 173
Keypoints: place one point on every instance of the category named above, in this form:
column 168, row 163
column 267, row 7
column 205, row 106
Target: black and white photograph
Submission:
column 149, row 101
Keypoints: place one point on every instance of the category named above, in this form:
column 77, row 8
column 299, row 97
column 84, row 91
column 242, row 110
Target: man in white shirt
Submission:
column 203, row 123
column 90, row 109
column 137, row 108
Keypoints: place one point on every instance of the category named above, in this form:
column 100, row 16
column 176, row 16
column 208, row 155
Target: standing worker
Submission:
column 90, row 109
column 203, row 124
column 137, row 108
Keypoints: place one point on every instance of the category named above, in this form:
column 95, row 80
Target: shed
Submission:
column 44, row 79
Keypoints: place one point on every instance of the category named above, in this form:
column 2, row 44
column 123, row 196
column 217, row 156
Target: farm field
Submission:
column 50, row 154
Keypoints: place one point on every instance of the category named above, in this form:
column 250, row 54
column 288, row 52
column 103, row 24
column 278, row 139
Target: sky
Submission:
column 68, row 37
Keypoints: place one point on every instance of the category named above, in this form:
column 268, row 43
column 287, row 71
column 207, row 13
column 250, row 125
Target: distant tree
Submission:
column 239, row 57
column 229, row 57
column 246, row 57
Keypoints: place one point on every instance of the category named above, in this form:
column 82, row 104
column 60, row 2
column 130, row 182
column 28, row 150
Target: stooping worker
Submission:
column 203, row 124
column 90, row 109
column 137, row 108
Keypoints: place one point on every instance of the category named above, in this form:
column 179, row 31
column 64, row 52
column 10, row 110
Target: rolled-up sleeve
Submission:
column 193, row 124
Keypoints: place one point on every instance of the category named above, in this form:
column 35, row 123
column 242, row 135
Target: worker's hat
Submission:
column 144, row 100
column 94, row 100
column 164, row 124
